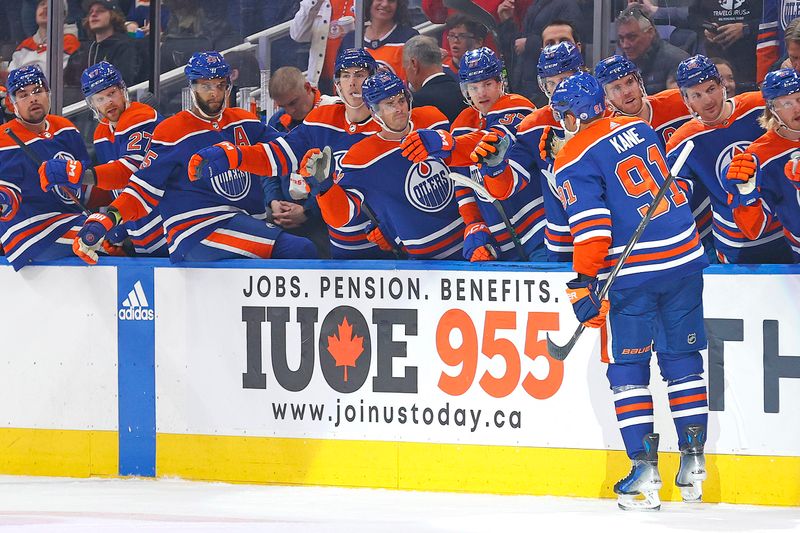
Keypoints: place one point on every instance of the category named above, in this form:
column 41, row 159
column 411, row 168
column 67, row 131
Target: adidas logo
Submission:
column 135, row 306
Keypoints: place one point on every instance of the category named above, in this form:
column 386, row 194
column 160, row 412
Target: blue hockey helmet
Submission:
column 581, row 95
column 382, row 85
column 355, row 57
column 695, row 70
column 614, row 68
column 207, row 65
column 100, row 77
column 24, row 76
column 559, row 58
column 480, row 64
column 780, row 83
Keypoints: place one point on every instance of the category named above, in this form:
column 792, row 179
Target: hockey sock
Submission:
column 634, row 407
column 688, row 401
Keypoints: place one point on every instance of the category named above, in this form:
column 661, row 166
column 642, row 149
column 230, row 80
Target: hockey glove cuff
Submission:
column 376, row 236
column 478, row 243
column 586, row 304
column 490, row 152
column 792, row 169
column 61, row 173
column 743, row 180
column 91, row 235
column 423, row 144
column 214, row 160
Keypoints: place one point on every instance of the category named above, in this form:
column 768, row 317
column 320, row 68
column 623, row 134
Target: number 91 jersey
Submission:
column 607, row 176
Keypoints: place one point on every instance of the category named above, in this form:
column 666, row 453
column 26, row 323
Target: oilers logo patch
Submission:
column 427, row 186
column 724, row 159
column 790, row 10
column 233, row 184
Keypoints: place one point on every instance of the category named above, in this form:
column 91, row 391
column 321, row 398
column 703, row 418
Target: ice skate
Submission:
column 692, row 471
column 639, row 489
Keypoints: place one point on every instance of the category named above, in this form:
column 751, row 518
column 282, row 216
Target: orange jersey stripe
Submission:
column 434, row 247
column 10, row 245
column 183, row 226
column 260, row 249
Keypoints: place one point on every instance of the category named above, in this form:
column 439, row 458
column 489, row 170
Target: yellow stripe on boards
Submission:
column 56, row 452
column 460, row 468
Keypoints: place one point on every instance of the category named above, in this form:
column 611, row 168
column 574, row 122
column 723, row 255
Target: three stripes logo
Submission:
column 136, row 306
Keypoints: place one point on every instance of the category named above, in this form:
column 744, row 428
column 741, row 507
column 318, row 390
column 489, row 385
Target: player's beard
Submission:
column 210, row 110
column 35, row 116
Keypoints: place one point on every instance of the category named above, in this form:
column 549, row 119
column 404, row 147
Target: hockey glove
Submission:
column 376, row 236
column 478, row 243
column 582, row 294
column 214, row 160
column 743, row 180
column 546, row 152
column 491, row 152
column 317, row 164
column 792, row 169
column 62, row 173
column 423, row 144
column 91, row 235
column 298, row 187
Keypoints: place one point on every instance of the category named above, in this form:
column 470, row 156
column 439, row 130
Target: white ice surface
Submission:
column 125, row 505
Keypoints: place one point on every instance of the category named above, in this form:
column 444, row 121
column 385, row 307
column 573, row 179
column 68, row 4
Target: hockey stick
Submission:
column 38, row 162
column 483, row 194
column 367, row 210
column 561, row 352
column 474, row 11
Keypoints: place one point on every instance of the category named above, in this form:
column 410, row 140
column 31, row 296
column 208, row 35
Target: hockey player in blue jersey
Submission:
column 208, row 219
column 36, row 225
column 508, row 168
column 483, row 83
column 610, row 170
column 665, row 112
column 337, row 126
column 121, row 140
column 412, row 201
column 721, row 128
column 763, row 181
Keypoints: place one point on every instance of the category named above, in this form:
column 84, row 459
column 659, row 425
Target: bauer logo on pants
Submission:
column 136, row 306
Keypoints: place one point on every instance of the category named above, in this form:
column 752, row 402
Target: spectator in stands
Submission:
column 422, row 61
column 139, row 17
column 527, row 45
column 733, row 34
column 33, row 50
column 501, row 10
column 726, row 74
column 388, row 30
column 639, row 42
column 561, row 31
column 463, row 34
column 323, row 23
column 791, row 44
column 105, row 23
column 295, row 96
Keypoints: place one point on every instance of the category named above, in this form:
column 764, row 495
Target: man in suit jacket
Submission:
column 422, row 61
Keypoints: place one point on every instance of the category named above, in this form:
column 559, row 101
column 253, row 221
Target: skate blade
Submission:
column 646, row 501
column 692, row 493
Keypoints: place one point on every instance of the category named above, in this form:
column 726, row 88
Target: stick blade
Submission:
column 559, row 353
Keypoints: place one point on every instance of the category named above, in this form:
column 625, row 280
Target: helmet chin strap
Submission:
column 719, row 116
column 384, row 125
column 27, row 123
column 200, row 111
column 782, row 124
column 567, row 132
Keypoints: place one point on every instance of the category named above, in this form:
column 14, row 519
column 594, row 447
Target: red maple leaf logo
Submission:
column 346, row 348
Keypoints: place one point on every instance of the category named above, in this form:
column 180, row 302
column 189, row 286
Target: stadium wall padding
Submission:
column 403, row 375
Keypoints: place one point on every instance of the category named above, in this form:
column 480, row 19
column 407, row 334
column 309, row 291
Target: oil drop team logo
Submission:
column 428, row 188
column 725, row 156
column 233, row 184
